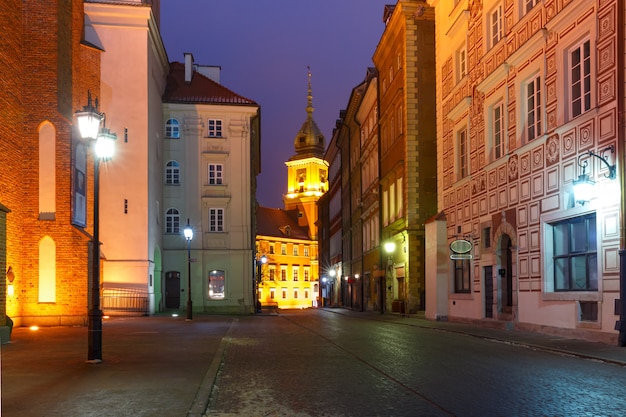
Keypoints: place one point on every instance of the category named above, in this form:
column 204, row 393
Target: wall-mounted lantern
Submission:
column 584, row 185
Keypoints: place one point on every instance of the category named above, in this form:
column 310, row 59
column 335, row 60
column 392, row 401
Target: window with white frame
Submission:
column 295, row 250
column 283, row 249
column 461, row 63
column 579, row 65
column 532, row 91
column 295, row 272
column 307, row 273
column 463, row 153
column 217, row 285
column 283, row 273
column 399, row 198
column 392, row 202
column 306, row 251
column 172, row 173
column 216, row 174
column 385, row 207
column 172, row 221
column 216, row 220
column 529, row 4
column 172, row 129
column 497, row 130
column 272, row 273
column 461, row 275
column 214, row 128
column 495, row 26
column 571, row 247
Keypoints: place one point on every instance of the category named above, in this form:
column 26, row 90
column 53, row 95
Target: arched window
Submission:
column 172, row 221
column 172, row 173
column 47, row 171
column 47, row 270
column 172, row 129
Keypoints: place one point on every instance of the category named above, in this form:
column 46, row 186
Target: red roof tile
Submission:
column 201, row 89
column 273, row 222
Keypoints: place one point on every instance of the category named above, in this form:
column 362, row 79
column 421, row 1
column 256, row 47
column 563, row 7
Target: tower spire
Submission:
column 309, row 107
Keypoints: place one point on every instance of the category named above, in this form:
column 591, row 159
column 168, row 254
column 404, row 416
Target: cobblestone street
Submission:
column 318, row 363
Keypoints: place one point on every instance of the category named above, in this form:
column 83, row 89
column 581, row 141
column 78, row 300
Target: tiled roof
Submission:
column 275, row 222
column 201, row 89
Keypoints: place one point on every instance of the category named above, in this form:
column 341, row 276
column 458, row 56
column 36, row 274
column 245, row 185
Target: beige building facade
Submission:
column 210, row 158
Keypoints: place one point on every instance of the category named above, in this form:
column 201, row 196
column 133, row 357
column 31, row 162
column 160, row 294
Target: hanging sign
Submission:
column 461, row 249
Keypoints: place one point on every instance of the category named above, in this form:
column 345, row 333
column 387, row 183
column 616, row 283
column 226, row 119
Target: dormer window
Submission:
column 172, row 129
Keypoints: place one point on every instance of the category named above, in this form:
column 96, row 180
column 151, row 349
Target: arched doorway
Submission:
column 505, row 279
column 505, row 268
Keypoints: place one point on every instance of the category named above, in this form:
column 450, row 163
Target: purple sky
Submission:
column 264, row 48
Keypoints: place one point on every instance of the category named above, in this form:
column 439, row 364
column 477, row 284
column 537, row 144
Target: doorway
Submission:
column 172, row 290
column 505, row 275
column 488, row 277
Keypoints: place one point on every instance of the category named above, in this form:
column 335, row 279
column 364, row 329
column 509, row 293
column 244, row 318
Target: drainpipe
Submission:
column 621, row 158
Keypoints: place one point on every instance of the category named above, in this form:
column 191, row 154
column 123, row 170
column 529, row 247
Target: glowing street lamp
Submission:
column 188, row 232
column 89, row 121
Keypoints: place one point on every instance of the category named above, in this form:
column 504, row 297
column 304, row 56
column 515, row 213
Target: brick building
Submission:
column 47, row 71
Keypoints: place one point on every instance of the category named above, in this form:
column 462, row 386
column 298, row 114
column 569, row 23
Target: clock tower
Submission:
column 307, row 171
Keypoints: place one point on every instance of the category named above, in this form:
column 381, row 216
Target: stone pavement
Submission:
column 166, row 366
column 575, row 347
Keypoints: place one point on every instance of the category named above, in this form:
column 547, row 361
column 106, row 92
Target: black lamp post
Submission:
column 259, row 263
column 89, row 121
column 390, row 248
column 188, row 231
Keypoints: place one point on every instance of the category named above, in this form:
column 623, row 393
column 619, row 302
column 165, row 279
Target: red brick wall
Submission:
column 46, row 73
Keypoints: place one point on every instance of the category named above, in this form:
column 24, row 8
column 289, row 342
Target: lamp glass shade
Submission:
column 105, row 144
column 390, row 247
column 584, row 188
column 188, row 231
column 89, row 124
column 263, row 259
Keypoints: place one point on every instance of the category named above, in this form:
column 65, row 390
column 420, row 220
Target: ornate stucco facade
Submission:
column 525, row 90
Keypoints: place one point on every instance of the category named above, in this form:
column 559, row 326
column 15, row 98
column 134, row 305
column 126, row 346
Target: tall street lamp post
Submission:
column 188, row 231
column 390, row 248
column 89, row 121
column 257, row 303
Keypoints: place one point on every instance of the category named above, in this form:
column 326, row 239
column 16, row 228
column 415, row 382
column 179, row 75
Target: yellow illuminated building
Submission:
column 288, row 238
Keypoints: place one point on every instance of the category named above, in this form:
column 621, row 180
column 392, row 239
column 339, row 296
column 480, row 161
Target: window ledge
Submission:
column 461, row 296
column 571, row 296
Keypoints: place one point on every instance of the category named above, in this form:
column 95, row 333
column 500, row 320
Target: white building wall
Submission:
column 134, row 66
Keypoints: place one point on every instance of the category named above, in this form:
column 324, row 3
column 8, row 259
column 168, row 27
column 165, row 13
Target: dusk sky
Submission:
column 264, row 48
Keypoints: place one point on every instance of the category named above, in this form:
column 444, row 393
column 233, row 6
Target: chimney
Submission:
column 188, row 66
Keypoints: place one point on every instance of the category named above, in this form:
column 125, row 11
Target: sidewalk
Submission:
column 575, row 347
column 152, row 366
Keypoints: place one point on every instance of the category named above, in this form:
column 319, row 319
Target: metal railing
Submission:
column 124, row 302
